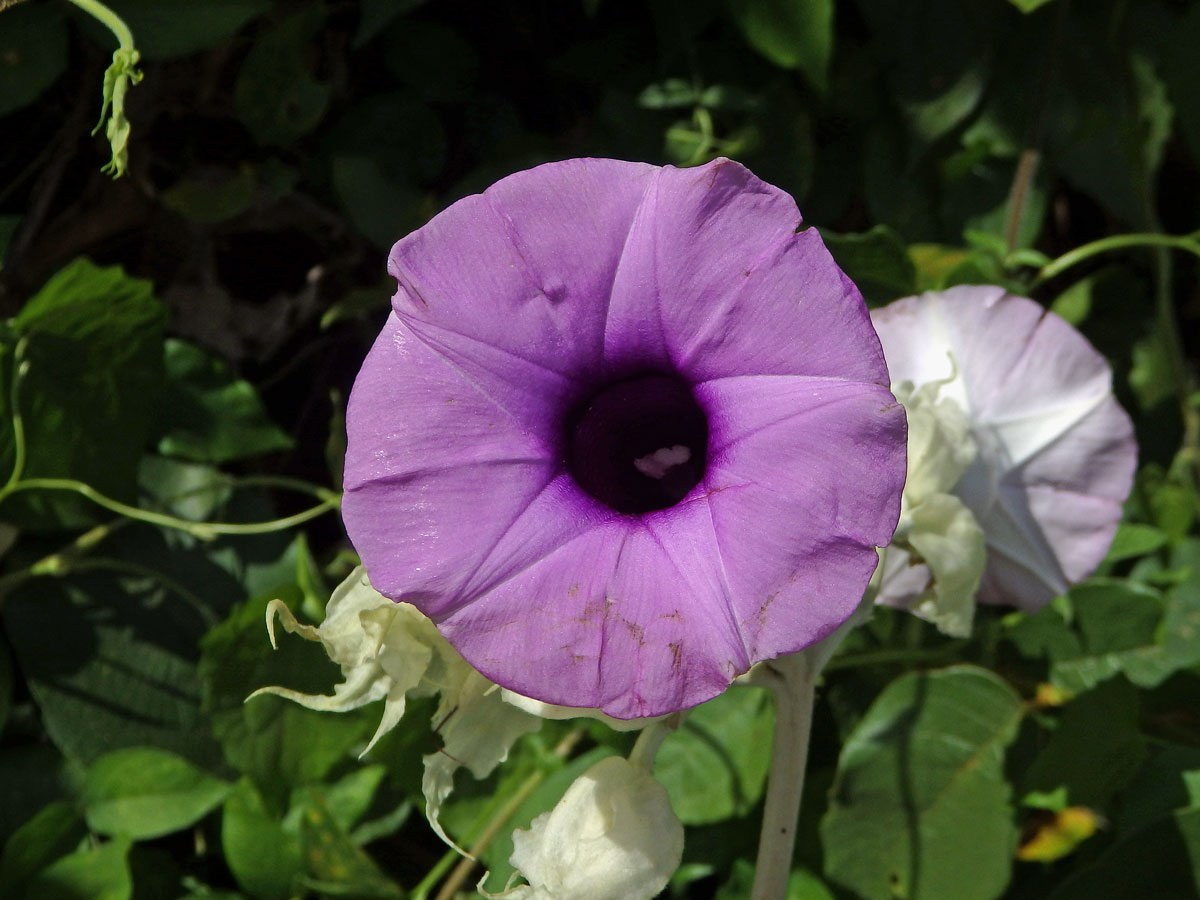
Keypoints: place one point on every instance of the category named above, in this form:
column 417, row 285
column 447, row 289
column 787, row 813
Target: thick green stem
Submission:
column 795, row 693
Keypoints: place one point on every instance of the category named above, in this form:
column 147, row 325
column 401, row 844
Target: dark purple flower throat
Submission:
column 637, row 444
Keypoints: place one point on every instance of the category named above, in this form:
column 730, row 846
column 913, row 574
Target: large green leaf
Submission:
column 1128, row 628
column 336, row 865
column 715, row 765
column 94, row 371
column 1095, row 749
column 33, row 53
column 795, row 34
column 94, row 873
column 142, row 793
column 265, row 859
column 920, row 808
column 109, row 660
column 276, row 96
column 208, row 415
column 55, row 831
column 876, row 261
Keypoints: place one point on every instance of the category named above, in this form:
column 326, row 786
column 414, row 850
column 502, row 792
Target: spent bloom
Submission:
column 626, row 431
column 612, row 836
column 1013, row 419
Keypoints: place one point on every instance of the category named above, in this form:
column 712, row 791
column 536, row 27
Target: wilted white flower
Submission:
column 390, row 651
column 612, row 836
column 936, row 529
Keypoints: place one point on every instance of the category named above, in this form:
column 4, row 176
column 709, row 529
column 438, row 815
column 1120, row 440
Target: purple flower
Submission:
column 1054, row 452
column 626, row 432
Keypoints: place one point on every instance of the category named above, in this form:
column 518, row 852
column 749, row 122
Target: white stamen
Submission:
column 658, row 463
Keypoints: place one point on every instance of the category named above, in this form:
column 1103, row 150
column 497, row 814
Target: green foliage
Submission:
column 715, row 766
column 209, row 415
column 93, row 357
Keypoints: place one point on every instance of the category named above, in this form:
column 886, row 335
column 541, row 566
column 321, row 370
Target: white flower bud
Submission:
column 612, row 836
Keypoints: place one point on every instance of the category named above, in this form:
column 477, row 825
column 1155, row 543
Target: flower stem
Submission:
column 110, row 19
column 794, row 699
column 1189, row 243
column 205, row 531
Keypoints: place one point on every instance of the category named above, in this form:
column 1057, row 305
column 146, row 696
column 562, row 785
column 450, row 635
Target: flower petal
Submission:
column 803, row 484
column 730, row 286
column 526, row 266
column 607, row 620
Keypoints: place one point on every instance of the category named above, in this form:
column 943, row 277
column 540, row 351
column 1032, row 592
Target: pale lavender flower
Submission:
column 1049, row 453
column 626, row 432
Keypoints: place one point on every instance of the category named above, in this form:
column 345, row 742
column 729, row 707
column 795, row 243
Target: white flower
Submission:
column 1054, row 452
column 612, row 836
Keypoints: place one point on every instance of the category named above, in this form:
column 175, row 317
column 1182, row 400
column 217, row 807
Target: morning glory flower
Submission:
column 626, row 431
column 1046, row 457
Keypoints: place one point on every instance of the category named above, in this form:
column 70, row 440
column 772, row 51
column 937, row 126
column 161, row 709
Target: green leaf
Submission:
column 876, row 261
column 1075, row 303
column 264, row 858
column 94, row 371
column 674, row 93
column 1130, row 629
column 109, row 662
column 210, row 416
column 1133, row 540
column 143, row 793
column 1095, row 750
column 347, row 799
column 1161, row 787
column 169, row 28
column 55, row 831
column 32, row 776
column 1028, row 6
column 278, row 743
column 187, row 490
column 1151, row 376
column 935, row 55
column 335, row 863
column 210, row 195
column 919, row 807
column 375, row 15
column 934, row 263
column 276, row 96
column 33, row 53
column 794, row 34
column 714, row 767
column 98, row 873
